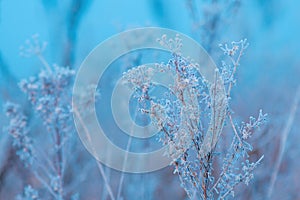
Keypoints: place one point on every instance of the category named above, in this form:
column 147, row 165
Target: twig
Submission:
column 46, row 185
column 234, row 128
column 236, row 183
column 44, row 62
column 235, row 65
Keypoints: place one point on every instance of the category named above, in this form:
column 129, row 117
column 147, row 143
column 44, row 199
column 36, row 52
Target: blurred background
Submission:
column 267, row 79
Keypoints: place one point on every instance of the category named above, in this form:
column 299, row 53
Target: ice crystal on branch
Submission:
column 246, row 129
column 18, row 129
column 173, row 45
column 191, row 116
column 235, row 47
column 33, row 46
column 46, row 93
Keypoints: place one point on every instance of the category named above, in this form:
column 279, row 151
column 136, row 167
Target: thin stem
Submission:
column 234, row 128
column 125, row 159
column 44, row 62
column 109, row 190
column 47, row 160
column 283, row 141
column 235, row 65
column 45, row 184
column 90, row 140
column 59, row 158
column 124, row 164
column 214, row 187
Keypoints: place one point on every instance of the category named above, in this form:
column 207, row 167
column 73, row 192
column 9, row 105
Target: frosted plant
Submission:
column 50, row 152
column 191, row 117
column 18, row 129
column 49, row 95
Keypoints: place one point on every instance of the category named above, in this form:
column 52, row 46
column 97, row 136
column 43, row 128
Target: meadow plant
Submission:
column 191, row 118
column 49, row 95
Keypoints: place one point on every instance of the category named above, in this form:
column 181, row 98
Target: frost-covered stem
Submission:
column 48, row 161
column 172, row 141
column 124, row 164
column 44, row 168
column 57, row 137
column 180, row 95
column 204, row 183
column 214, row 108
column 235, row 65
column 86, row 130
column 283, row 140
column 43, row 61
column 242, row 178
column 104, row 190
column 214, row 187
column 57, row 147
column 228, row 192
column 45, row 184
column 234, row 128
column 59, row 154
column 59, row 159
column 125, row 159
column 108, row 188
